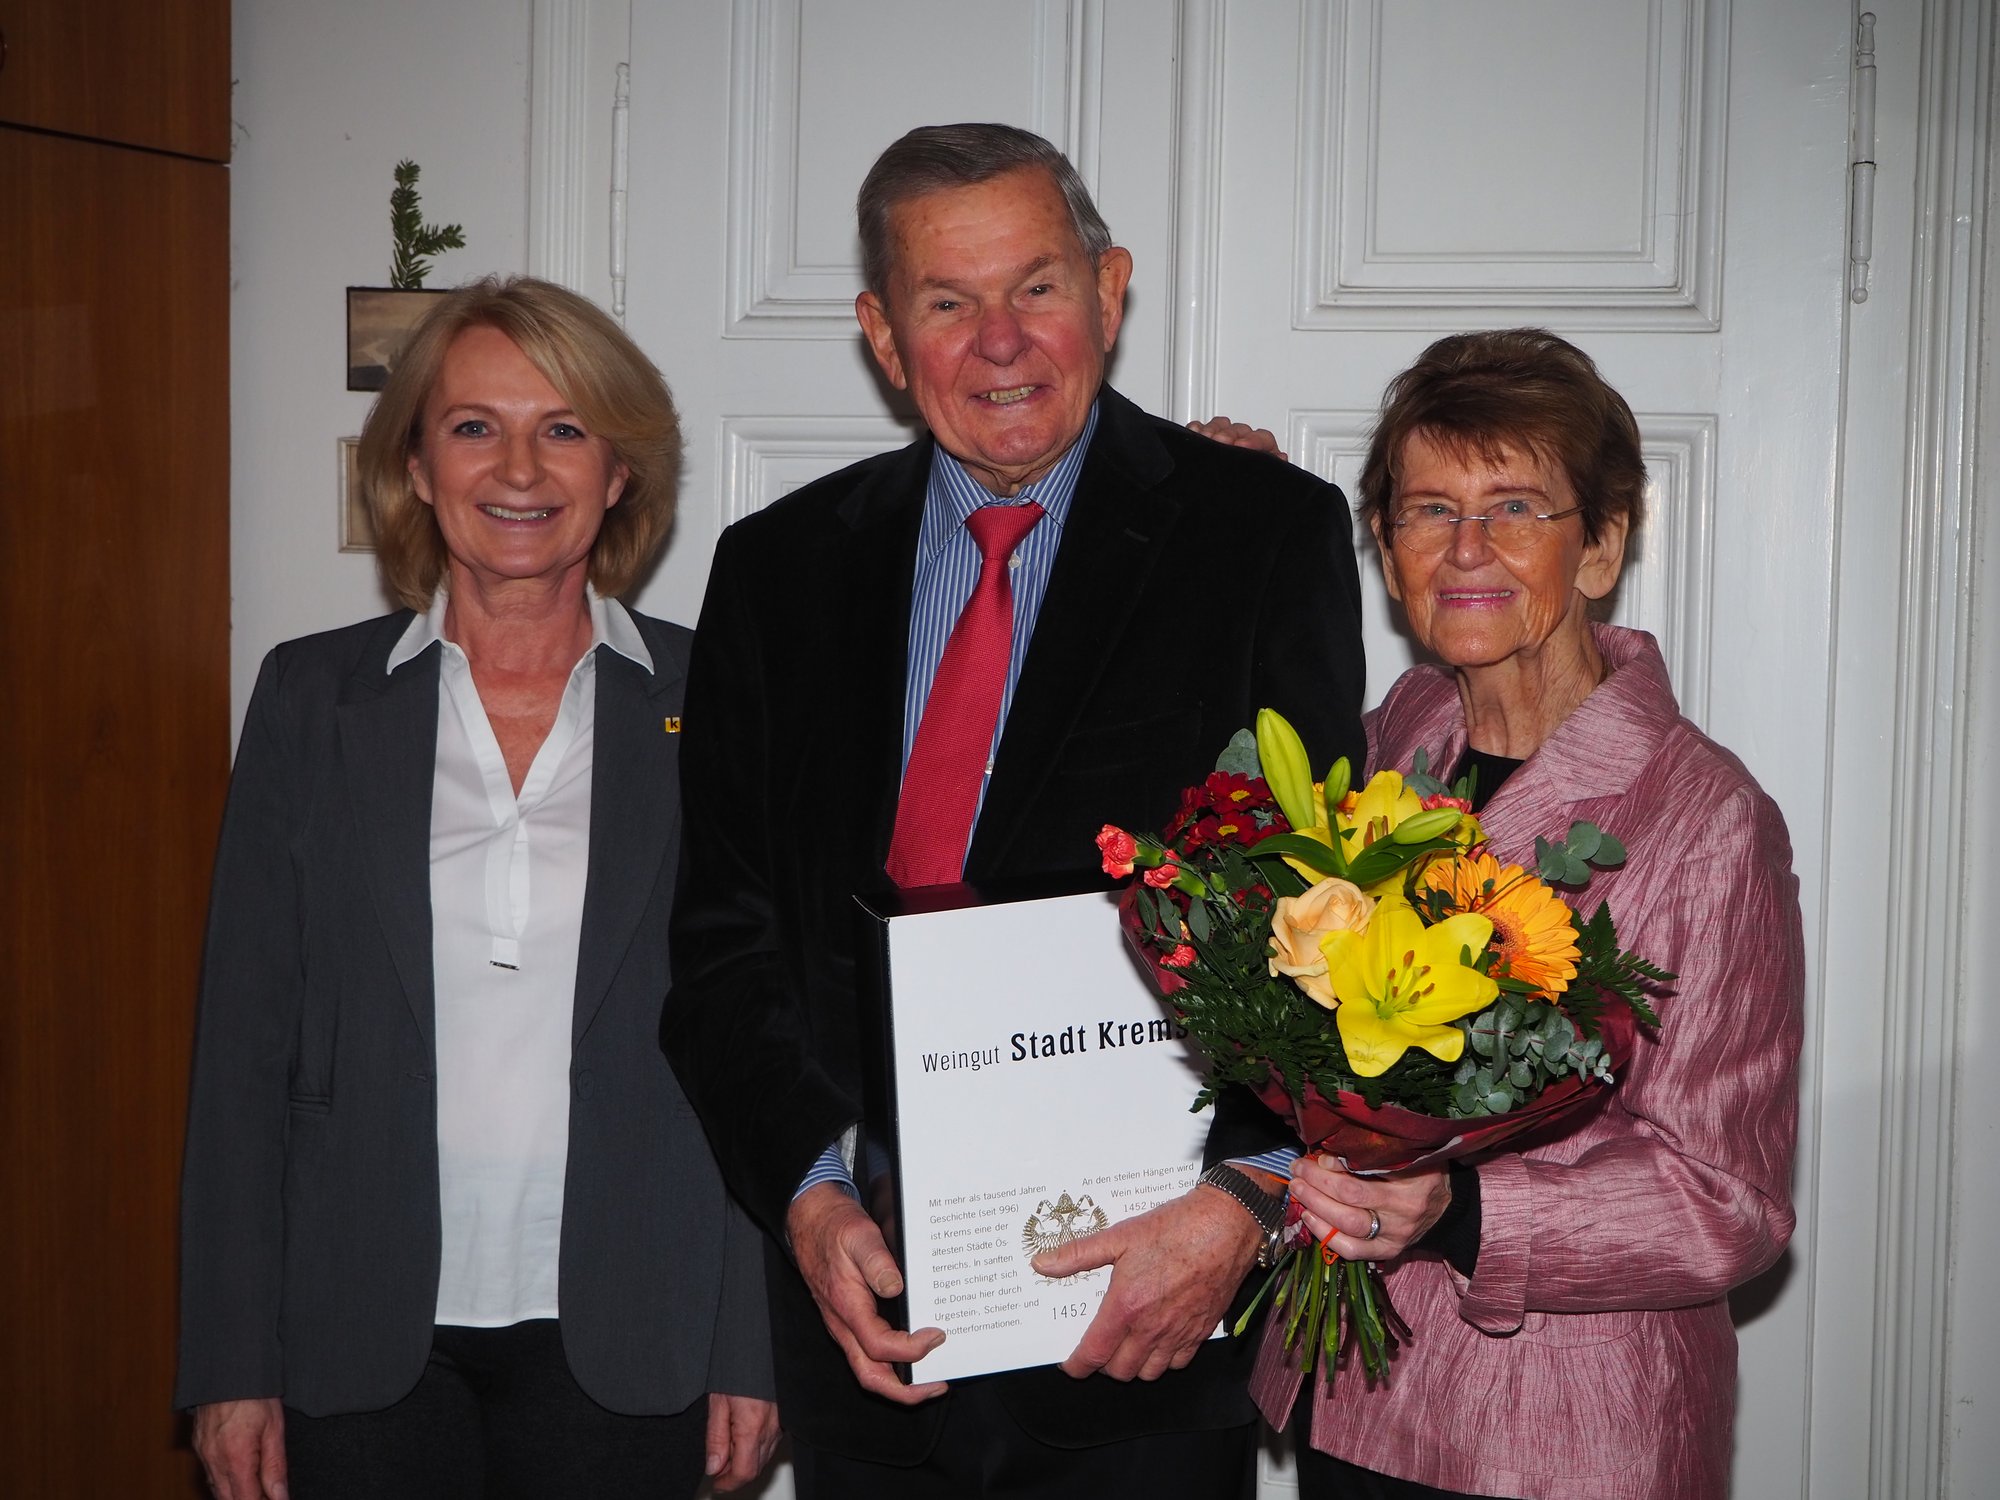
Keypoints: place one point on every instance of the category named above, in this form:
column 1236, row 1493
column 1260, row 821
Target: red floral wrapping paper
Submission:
column 1393, row 1139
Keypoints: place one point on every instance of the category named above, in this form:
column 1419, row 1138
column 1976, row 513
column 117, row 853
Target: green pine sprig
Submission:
column 1603, row 967
column 413, row 237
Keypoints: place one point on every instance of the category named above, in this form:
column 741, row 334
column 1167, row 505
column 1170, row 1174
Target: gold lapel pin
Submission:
column 673, row 723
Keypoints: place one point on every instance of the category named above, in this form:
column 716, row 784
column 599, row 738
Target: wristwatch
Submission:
column 1266, row 1207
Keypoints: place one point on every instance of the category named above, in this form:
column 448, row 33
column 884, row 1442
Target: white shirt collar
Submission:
column 610, row 625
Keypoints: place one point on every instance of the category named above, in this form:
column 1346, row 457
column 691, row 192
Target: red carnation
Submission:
column 1160, row 876
column 1118, row 848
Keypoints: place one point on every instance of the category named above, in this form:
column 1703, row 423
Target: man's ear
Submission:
column 1114, row 274
column 881, row 338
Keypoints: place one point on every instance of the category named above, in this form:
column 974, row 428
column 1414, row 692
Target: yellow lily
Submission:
column 1400, row 984
column 1376, row 809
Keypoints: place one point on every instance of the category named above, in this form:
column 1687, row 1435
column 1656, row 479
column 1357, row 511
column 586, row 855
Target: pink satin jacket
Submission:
column 1591, row 1354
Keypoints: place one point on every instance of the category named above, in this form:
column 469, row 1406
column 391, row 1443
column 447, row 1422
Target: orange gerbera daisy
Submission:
column 1532, row 933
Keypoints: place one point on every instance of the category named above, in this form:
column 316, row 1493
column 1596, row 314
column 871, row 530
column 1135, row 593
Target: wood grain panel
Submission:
column 114, row 602
column 151, row 73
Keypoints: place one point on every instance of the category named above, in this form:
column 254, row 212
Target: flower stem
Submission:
column 1331, row 1306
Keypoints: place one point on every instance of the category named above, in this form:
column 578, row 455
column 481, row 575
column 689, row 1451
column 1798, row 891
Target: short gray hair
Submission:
column 932, row 158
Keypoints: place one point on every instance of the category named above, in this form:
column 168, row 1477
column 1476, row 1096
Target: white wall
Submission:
column 328, row 98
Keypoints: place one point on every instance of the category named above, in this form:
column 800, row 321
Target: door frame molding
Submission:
column 1928, row 986
column 1884, row 1073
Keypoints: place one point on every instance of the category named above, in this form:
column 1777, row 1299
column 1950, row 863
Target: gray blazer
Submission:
column 309, row 1193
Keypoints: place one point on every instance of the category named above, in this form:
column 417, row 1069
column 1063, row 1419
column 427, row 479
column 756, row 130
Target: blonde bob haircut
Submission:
column 593, row 365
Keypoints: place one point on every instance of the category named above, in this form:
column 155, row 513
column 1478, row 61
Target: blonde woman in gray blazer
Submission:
column 449, row 1225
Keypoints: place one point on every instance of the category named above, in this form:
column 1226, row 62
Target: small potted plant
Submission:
column 379, row 318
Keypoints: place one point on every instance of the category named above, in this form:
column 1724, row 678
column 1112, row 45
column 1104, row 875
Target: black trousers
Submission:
column 496, row 1416
column 1324, row 1477
column 983, row 1453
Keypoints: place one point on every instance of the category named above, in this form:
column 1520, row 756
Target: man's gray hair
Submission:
column 933, row 158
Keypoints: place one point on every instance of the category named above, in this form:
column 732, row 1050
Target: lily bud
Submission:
column 1338, row 779
column 1434, row 824
column 1286, row 770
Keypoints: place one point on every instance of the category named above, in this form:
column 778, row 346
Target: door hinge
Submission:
column 1861, row 162
column 621, row 116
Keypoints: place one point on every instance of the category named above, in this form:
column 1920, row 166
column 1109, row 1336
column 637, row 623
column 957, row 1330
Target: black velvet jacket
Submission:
column 1196, row 582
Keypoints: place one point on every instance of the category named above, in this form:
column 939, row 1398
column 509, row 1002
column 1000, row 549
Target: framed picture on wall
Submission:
column 357, row 530
column 379, row 318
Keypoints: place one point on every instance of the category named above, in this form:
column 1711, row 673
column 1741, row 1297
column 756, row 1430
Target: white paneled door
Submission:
column 1312, row 192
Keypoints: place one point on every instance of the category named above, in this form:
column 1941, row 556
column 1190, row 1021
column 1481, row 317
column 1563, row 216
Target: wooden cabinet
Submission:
column 114, row 724
column 150, row 73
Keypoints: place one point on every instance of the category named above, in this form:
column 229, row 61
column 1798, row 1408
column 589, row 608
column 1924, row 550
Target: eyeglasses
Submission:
column 1511, row 526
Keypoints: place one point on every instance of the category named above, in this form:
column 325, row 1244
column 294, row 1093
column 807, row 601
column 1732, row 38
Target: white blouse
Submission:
column 507, row 886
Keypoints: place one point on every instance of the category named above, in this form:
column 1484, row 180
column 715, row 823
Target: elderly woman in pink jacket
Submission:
column 1567, row 1297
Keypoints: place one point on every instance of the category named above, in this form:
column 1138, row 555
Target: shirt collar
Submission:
column 955, row 491
column 610, row 625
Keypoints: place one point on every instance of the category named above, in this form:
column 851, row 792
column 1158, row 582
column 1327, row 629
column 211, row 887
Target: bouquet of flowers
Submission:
column 1358, row 959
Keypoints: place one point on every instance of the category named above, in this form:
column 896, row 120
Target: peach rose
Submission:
column 1299, row 922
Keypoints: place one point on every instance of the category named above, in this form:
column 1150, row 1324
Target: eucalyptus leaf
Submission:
column 1584, row 839
column 1420, row 778
column 1610, row 852
column 1548, row 859
column 1239, row 756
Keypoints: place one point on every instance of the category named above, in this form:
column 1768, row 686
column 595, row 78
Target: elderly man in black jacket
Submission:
column 1156, row 589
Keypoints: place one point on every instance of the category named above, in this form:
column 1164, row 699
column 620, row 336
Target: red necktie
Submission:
column 948, row 761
